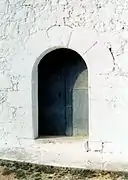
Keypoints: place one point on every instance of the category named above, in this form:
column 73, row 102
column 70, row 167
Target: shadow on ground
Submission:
column 10, row 170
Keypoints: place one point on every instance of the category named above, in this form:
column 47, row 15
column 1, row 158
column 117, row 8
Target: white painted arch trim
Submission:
column 85, row 43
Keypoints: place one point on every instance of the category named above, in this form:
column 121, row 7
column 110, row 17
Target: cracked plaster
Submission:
column 97, row 30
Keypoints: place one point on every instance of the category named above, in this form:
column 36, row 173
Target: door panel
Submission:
column 77, row 99
column 80, row 112
column 52, row 104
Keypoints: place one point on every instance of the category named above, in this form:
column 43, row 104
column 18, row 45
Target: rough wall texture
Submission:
column 24, row 27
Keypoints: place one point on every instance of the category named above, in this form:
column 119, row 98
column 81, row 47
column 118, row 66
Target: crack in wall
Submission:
column 69, row 39
column 114, row 63
column 90, row 48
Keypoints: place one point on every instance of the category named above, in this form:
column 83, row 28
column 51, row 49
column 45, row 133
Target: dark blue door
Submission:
column 63, row 94
column 52, row 106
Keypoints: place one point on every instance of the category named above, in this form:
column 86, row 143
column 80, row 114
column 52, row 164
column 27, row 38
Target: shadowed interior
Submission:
column 63, row 94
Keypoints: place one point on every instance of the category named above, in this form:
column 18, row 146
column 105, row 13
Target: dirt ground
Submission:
column 23, row 171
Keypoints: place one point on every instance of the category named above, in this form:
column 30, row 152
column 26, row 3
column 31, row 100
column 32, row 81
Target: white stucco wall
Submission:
column 97, row 30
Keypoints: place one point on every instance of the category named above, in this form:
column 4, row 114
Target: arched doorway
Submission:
column 62, row 94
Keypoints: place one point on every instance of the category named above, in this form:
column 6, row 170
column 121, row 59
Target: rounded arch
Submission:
column 35, row 103
column 41, row 56
column 88, row 45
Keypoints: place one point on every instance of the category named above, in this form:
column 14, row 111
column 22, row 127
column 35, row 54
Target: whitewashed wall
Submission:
column 97, row 30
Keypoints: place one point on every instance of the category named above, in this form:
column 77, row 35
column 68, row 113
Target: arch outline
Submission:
column 74, row 42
